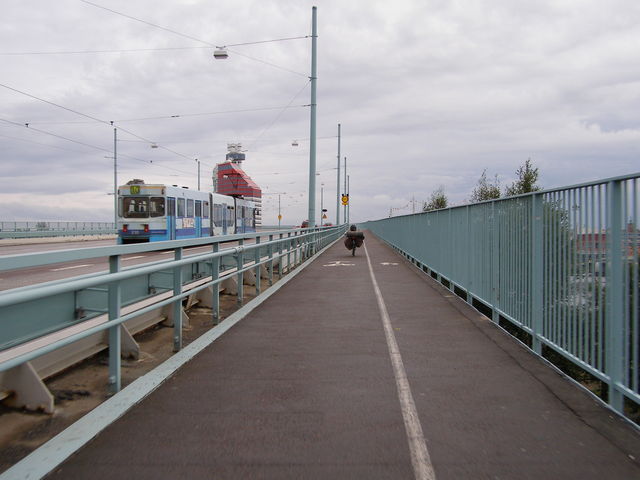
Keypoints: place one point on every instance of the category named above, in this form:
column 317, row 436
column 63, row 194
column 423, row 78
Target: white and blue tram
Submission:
column 154, row 213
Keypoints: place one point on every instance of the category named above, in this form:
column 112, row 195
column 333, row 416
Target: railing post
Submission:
column 289, row 244
column 270, row 260
column 614, row 330
column 537, row 270
column 177, row 304
column 280, row 256
column 257, row 260
column 215, row 274
column 495, row 262
column 240, row 266
column 470, row 259
column 115, row 294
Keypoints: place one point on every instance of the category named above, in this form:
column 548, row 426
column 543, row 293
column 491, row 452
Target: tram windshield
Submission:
column 142, row 207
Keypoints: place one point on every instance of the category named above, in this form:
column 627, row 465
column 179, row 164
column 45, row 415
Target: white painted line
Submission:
column 69, row 268
column 422, row 466
column 137, row 256
column 50, row 455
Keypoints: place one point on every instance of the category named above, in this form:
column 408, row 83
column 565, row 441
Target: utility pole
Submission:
column 345, row 189
column 198, row 173
column 115, row 177
column 348, row 206
column 312, row 140
column 321, row 203
column 338, row 183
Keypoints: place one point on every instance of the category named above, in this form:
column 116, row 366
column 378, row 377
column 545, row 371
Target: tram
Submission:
column 155, row 213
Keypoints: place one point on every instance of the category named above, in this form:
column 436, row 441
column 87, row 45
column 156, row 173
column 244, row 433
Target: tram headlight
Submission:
column 125, row 228
column 146, row 228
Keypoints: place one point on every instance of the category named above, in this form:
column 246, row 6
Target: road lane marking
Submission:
column 420, row 460
column 137, row 256
column 69, row 268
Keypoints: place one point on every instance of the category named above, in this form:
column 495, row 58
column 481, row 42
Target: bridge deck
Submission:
column 304, row 388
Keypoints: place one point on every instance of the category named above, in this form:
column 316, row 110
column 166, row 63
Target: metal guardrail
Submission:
column 31, row 313
column 560, row 264
column 54, row 229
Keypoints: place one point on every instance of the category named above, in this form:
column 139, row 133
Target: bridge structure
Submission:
column 494, row 340
column 40, row 229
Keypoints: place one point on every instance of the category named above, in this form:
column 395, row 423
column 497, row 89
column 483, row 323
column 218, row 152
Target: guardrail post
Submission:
column 289, row 244
column 114, row 300
column 280, row 256
column 257, row 259
column 470, row 261
column 270, row 260
column 614, row 330
column 240, row 266
column 537, row 275
column 215, row 288
column 495, row 262
column 177, row 304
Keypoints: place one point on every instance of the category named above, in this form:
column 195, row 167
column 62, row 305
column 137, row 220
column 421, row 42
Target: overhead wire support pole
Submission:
column 312, row 143
column 349, row 204
column 115, row 178
column 345, row 189
column 338, row 183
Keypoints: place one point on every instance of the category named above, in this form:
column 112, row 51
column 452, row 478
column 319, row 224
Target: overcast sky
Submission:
column 428, row 92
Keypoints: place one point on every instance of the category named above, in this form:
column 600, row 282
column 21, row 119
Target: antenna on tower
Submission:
column 235, row 153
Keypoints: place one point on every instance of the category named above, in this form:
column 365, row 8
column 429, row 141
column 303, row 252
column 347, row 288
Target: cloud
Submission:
column 428, row 93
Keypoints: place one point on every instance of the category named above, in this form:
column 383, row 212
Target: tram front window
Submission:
column 135, row 207
column 156, row 206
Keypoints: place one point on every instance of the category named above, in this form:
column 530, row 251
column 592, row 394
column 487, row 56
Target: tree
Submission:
column 485, row 190
column 437, row 201
column 527, row 177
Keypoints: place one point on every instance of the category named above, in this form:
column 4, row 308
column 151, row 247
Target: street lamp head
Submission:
column 220, row 53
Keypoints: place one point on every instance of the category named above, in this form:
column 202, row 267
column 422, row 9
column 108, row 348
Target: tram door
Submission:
column 225, row 215
column 198, row 218
column 171, row 218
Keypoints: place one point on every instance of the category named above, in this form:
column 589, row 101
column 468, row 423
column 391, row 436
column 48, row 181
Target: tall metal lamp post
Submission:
column 221, row 54
column 338, row 183
column 312, row 142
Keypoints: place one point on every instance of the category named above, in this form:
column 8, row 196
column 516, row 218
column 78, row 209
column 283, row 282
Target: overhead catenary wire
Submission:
column 178, row 115
column 277, row 117
column 151, row 142
column 136, row 50
column 95, row 147
column 190, row 37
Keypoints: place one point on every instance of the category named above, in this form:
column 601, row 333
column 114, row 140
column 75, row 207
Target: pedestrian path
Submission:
column 363, row 367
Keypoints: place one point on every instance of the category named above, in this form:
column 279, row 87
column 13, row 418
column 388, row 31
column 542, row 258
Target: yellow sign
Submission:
column 279, row 217
column 135, row 189
column 324, row 216
column 345, row 199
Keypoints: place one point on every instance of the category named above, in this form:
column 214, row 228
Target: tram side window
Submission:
column 135, row 207
column 230, row 216
column 218, row 213
column 205, row 210
column 171, row 207
column 198, row 208
column 156, row 206
column 181, row 207
column 189, row 207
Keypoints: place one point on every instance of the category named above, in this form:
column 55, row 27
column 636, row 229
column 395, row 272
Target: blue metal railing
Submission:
column 31, row 312
column 54, row 229
column 560, row 264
